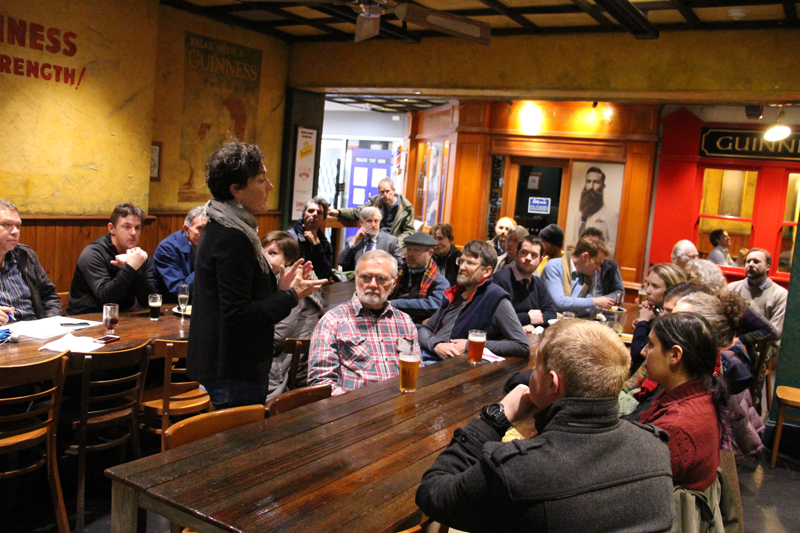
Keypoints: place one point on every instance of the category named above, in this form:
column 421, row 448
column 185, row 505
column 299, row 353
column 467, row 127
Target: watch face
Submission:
column 494, row 410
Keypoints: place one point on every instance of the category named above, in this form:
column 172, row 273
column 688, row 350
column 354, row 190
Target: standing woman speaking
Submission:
column 237, row 298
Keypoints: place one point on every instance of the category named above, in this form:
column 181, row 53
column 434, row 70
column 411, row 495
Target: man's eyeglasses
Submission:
column 366, row 279
column 9, row 227
column 469, row 262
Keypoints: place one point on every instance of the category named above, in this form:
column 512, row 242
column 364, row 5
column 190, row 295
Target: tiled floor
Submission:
column 769, row 497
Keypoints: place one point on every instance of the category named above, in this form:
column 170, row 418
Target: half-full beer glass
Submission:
column 477, row 340
column 409, row 370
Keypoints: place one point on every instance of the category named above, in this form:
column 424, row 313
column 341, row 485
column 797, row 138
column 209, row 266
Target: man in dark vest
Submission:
column 473, row 303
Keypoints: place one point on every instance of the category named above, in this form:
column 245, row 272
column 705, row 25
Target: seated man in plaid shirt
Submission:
column 359, row 341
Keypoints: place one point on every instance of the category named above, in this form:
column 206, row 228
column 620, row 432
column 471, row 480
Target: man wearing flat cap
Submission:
column 553, row 238
column 419, row 289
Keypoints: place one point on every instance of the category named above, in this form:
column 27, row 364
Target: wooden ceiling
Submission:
column 309, row 20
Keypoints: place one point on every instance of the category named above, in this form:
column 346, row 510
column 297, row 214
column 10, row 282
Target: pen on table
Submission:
column 68, row 324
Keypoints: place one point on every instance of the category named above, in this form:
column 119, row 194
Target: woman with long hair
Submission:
column 681, row 356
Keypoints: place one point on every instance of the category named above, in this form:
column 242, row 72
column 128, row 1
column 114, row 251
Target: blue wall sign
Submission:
column 539, row 206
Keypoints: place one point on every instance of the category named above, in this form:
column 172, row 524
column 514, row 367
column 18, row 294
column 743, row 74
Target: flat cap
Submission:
column 553, row 235
column 420, row 239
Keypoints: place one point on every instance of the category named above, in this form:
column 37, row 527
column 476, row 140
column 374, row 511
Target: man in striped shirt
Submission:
column 359, row 342
column 26, row 293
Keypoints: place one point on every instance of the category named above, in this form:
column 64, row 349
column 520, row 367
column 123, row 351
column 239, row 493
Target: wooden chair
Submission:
column 759, row 372
column 298, row 370
column 174, row 398
column 297, row 398
column 773, row 363
column 787, row 397
column 64, row 298
column 108, row 408
column 28, row 420
column 207, row 424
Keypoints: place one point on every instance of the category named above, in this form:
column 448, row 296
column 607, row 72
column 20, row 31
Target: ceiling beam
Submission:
column 688, row 14
column 387, row 30
column 790, row 10
column 594, row 11
column 314, row 23
column 630, row 17
column 513, row 15
column 225, row 18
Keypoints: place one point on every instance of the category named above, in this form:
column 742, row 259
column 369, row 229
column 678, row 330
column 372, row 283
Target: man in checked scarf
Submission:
column 419, row 287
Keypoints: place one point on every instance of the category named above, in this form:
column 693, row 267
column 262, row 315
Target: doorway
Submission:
column 538, row 196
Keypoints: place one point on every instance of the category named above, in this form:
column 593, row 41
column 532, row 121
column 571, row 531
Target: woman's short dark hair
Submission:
column 446, row 229
column 233, row 164
column 285, row 243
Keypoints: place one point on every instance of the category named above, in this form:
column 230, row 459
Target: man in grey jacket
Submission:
column 586, row 470
column 26, row 293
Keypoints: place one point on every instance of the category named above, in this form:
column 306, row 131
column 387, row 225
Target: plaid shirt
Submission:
column 350, row 347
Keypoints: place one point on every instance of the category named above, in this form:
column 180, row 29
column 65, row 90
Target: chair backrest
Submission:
column 207, row 424
column 297, row 398
column 64, row 299
column 173, row 352
column 112, row 381
column 30, row 409
column 762, row 355
column 298, row 348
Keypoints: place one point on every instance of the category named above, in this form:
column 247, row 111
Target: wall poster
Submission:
column 220, row 105
column 595, row 194
column 303, row 170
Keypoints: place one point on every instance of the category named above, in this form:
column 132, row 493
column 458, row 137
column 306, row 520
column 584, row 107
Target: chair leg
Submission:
column 768, row 381
column 778, row 430
column 55, row 487
column 81, row 481
column 137, row 449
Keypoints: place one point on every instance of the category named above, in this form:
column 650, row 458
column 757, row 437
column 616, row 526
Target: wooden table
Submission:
column 348, row 463
column 134, row 328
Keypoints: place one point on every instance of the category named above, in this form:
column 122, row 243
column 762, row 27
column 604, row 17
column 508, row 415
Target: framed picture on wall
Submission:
column 155, row 161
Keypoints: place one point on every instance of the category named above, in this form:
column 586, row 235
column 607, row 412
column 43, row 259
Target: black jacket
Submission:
column 610, row 278
column 523, row 300
column 96, row 281
column 44, row 297
column 320, row 255
column 447, row 264
column 586, row 470
column 235, row 308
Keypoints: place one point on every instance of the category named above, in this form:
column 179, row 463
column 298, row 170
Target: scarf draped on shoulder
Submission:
column 232, row 215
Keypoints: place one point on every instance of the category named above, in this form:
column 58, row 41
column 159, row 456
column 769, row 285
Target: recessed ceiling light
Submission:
column 737, row 13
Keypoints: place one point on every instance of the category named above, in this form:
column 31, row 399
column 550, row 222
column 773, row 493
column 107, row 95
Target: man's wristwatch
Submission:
column 494, row 415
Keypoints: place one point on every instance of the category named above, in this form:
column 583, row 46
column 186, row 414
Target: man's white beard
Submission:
column 370, row 297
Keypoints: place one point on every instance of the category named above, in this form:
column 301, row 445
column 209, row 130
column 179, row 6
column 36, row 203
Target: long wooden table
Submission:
column 134, row 328
column 348, row 463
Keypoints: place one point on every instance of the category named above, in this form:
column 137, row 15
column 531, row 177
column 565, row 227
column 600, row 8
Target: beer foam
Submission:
column 474, row 338
column 409, row 357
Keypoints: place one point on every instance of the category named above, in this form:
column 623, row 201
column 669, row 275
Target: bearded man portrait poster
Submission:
column 594, row 198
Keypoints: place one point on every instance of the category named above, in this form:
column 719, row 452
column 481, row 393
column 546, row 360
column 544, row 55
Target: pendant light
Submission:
column 777, row 132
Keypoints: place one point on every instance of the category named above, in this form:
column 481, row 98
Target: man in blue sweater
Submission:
column 569, row 279
column 173, row 261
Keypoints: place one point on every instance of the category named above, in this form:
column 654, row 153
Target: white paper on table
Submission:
column 44, row 328
column 359, row 196
column 360, row 176
column 377, row 175
column 69, row 342
column 488, row 355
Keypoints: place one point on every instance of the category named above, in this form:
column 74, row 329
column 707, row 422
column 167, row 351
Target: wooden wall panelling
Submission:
column 563, row 200
column 635, row 210
column 550, row 148
column 510, row 184
column 470, row 199
column 58, row 241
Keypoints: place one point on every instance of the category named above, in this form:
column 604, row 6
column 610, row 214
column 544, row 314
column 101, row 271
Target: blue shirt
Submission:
column 173, row 263
column 553, row 275
column 13, row 290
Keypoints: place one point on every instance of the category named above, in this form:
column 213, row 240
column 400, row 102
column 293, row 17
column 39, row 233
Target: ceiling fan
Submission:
column 369, row 15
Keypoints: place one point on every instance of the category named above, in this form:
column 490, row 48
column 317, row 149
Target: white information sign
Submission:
column 303, row 169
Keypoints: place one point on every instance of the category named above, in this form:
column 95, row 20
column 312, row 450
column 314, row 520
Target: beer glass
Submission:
column 155, row 306
column 477, row 340
column 110, row 317
column 409, row 371
column 567, row 314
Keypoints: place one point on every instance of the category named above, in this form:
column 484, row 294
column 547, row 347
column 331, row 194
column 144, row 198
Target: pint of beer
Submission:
column 409, row 370
column 477, row 340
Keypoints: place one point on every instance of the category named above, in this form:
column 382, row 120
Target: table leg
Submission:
column 125, row 511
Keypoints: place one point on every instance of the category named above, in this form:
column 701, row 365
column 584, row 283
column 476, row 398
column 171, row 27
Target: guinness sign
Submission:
column 748, row 144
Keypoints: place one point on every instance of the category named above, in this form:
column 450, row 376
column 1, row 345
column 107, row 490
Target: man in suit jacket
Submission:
column 529, row 295
column 369, row 237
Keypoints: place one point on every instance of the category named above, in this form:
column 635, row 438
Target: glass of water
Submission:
column 183, row 299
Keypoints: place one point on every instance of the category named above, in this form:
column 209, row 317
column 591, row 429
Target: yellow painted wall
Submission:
column 717, row 66
column 169, row 100
column 82, row 148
